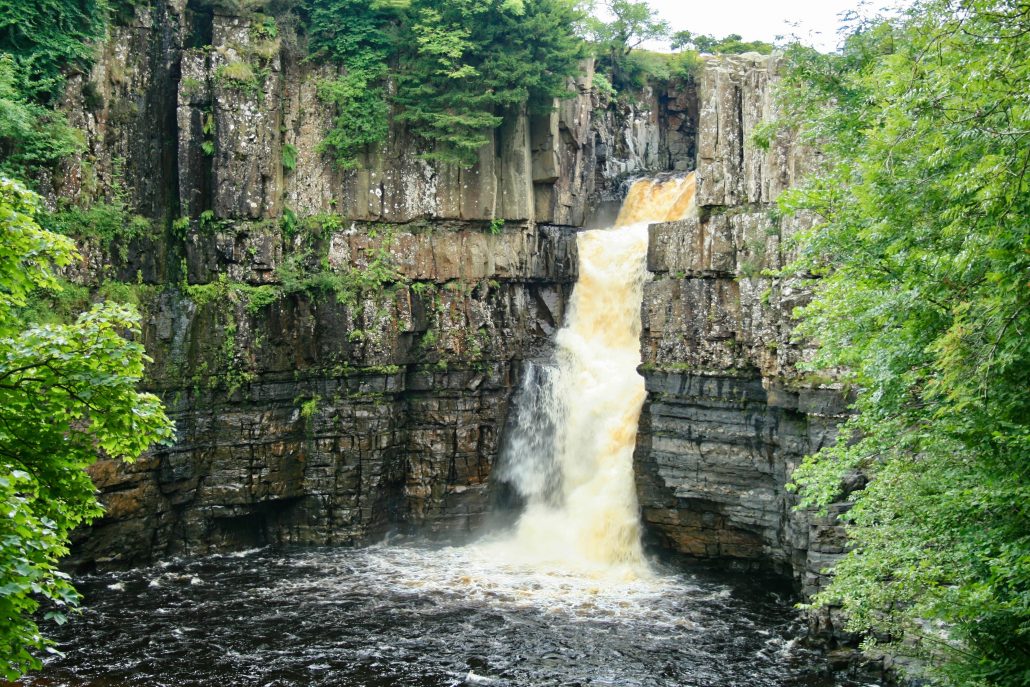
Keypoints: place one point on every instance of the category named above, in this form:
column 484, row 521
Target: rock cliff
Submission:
column 326, row 418
column 728, row 416
column 336, row 346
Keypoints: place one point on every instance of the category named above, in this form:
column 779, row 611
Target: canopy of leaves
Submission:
column 67, row 394
column 732, row 44
column 625, row 27
column 456, row 68
column 924, row 250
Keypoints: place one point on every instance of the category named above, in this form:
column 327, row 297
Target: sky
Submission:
column 815, row 22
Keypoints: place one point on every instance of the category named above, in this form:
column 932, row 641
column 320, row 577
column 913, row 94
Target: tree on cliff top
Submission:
column 67, row 394
column 732, row 44
column 457, row 68
column 628, row 24
column 923, row 246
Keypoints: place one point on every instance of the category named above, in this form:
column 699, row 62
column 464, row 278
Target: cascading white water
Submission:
column 570, row 453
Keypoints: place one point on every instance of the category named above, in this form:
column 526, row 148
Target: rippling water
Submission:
column 413, row 615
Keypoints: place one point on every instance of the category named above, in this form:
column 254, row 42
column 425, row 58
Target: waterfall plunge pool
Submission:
column 413, row 615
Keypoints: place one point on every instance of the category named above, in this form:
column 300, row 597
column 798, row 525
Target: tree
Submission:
column 923, row 248
column 473, row 63
column 631, row 24
column 732, row 44
column 362, row 46
column 67, row 394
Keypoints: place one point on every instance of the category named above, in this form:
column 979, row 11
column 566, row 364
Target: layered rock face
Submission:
column 321, row 416
column 728, row 416
column 325, row 419
column 336, row 346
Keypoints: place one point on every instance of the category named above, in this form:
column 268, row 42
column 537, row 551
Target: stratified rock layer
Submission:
column 728, row 416
column 323, row 418
column 368, row 398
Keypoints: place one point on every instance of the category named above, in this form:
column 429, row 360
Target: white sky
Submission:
column 815, row 22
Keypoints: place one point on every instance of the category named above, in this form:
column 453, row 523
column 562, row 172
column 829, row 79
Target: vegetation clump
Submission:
column 924, row 252
column 453, row 70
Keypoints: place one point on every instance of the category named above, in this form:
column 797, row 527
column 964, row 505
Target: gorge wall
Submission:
column 338, row 347
column 728, row 414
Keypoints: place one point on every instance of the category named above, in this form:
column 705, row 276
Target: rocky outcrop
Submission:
column 654, row 132
column 564, row 157
column 337, row 347
column 734, row 98
column 728, row 415
column 329, row 417
column 193, row 111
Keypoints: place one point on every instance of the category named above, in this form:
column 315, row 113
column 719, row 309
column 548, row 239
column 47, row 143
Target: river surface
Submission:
column 408, row 614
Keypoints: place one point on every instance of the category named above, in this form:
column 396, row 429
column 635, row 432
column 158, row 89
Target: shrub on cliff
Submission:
column 40, row 42
column 628, row 24
column 924, row 252
column 451, row 70
column 67, row 395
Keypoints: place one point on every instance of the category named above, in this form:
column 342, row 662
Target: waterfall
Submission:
column 569, row 453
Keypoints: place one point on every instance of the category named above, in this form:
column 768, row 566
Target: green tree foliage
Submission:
column 456, row 68
column 67, row 394
column 732, row 44
column 31, row 136
column 924, row 252
column 39, row 43
column 476, row 61
column 627, row 25
column 362, row 46
column 47, row 37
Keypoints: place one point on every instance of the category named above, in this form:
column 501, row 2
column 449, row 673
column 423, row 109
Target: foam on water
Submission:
column 415, row 615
